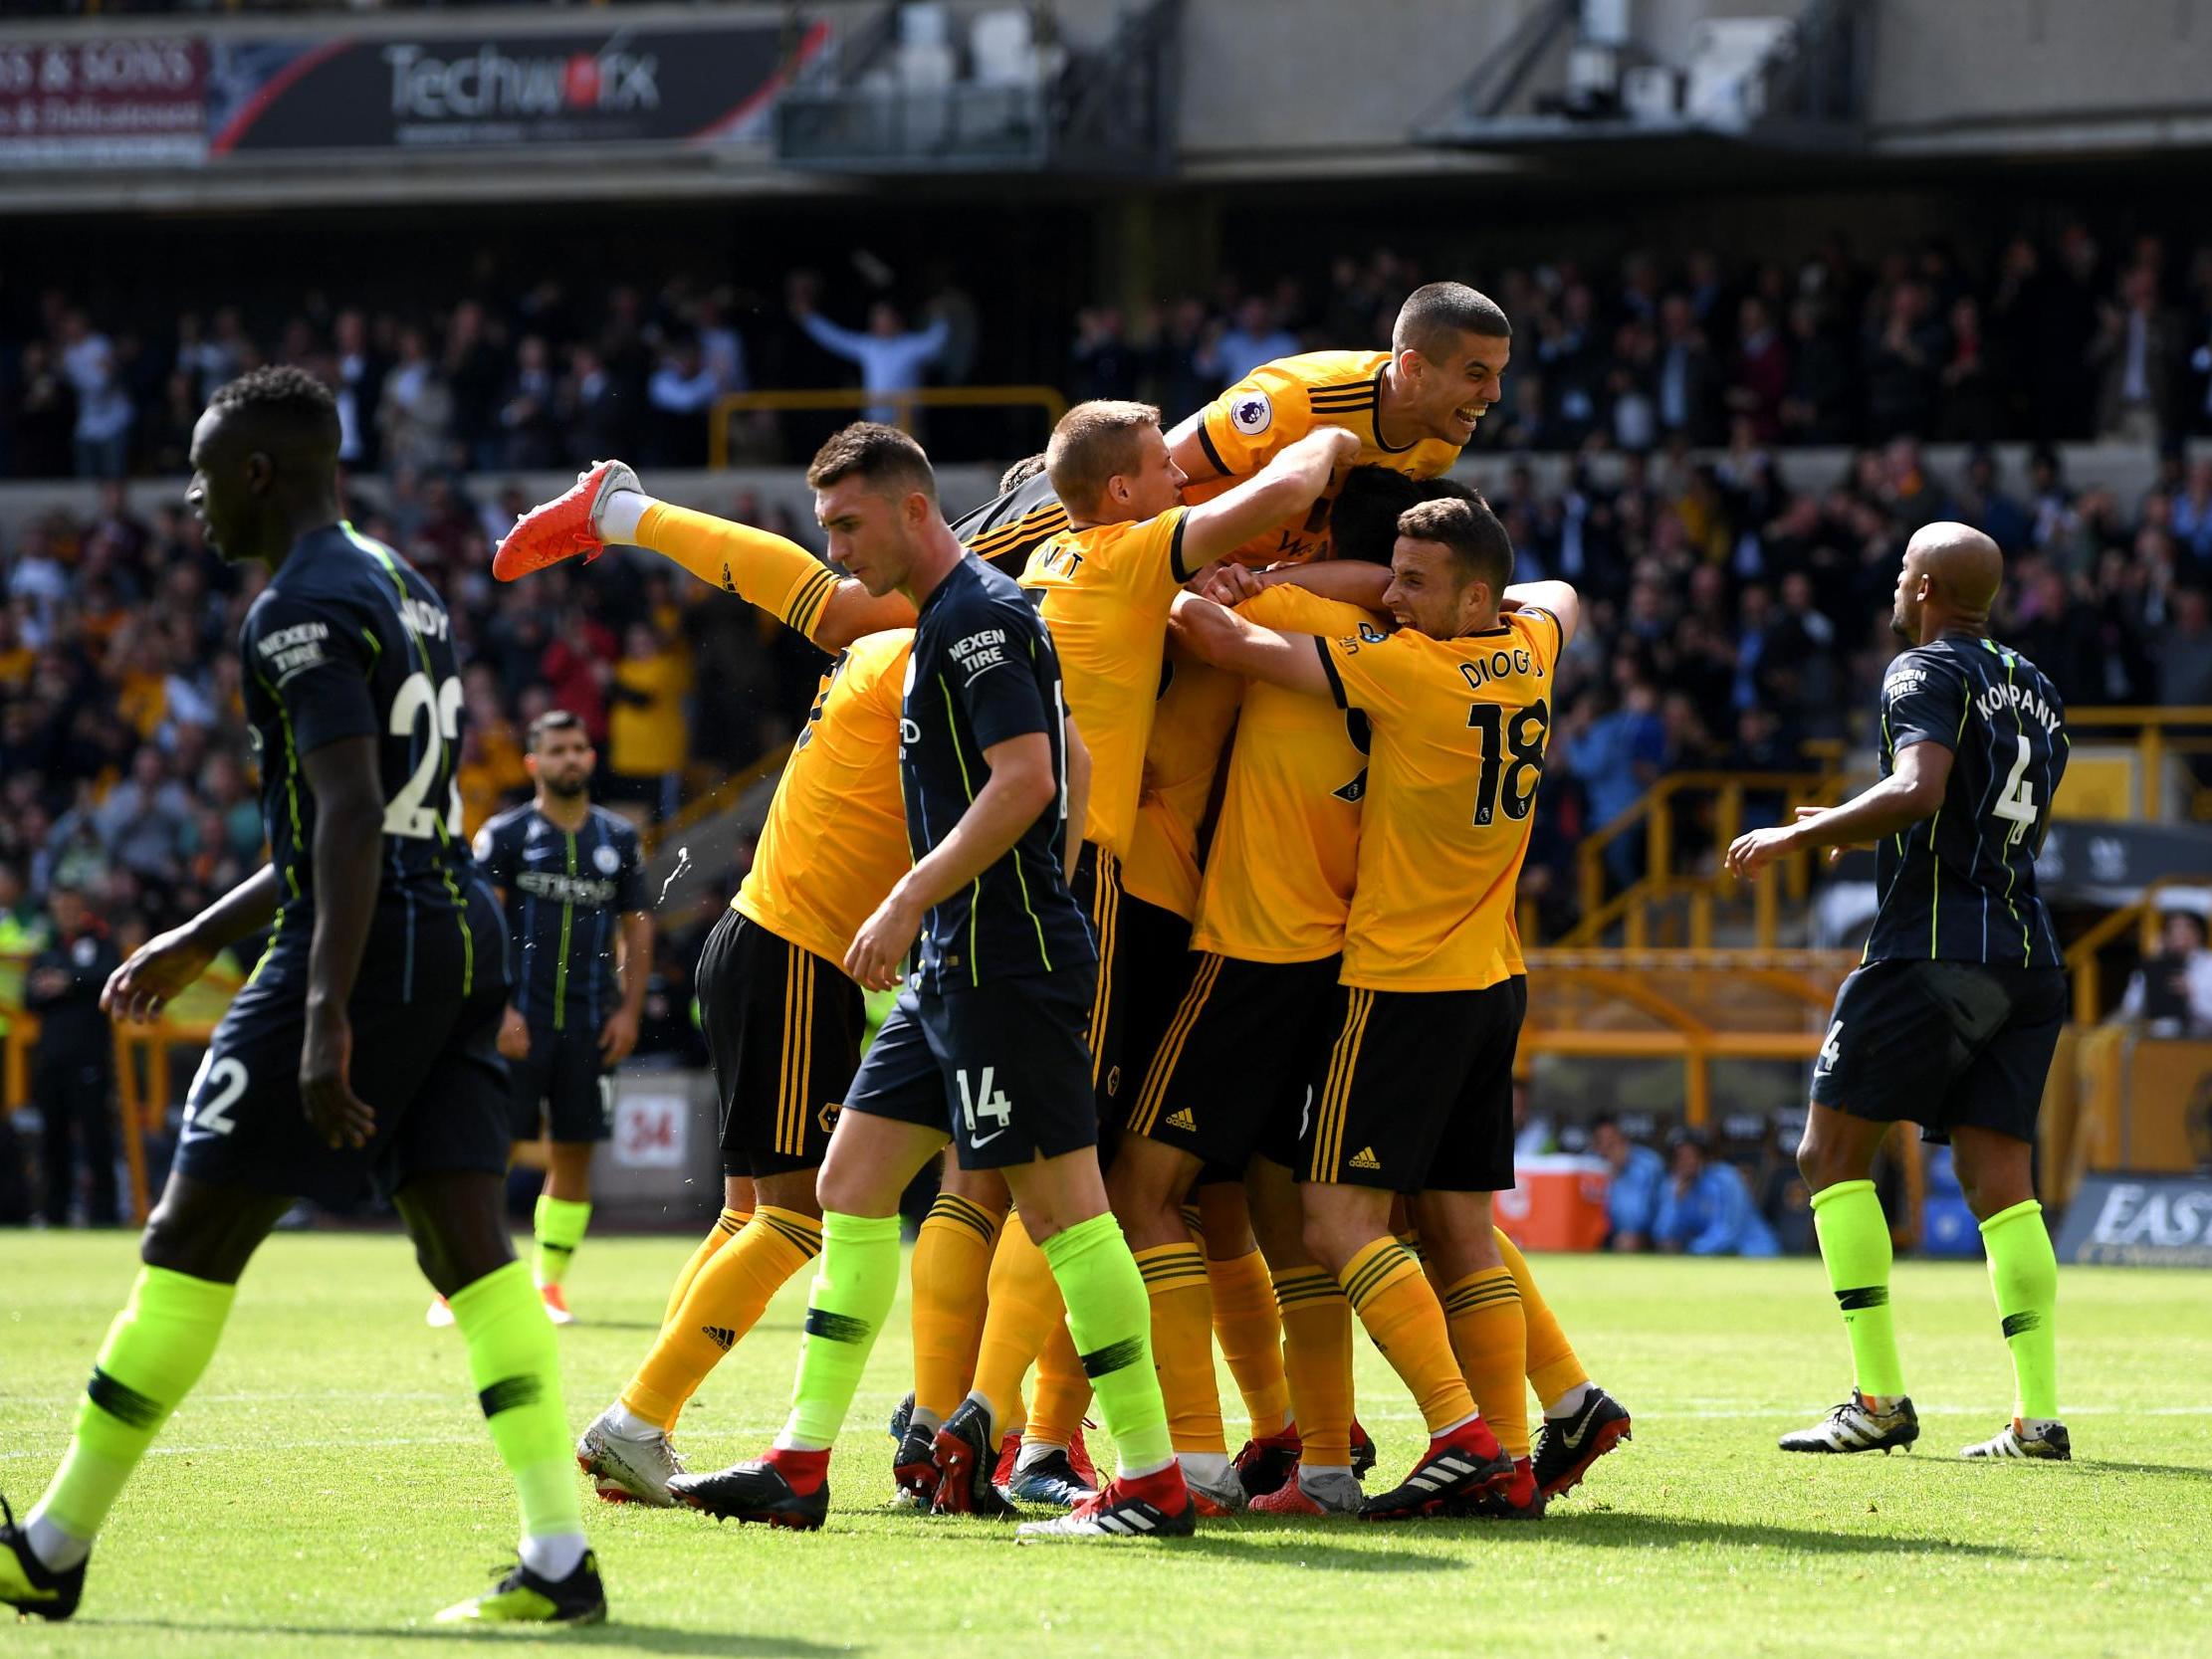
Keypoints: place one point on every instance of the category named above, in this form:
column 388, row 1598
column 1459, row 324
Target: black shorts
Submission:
column 783, row 1029
column 560, row 1086
column 1942, row 1045
column 1001, row 1066
column 1234, row 1070
column 1417, row 1091
column 1152, row 963
column 1096, row 885
column 427, row 1063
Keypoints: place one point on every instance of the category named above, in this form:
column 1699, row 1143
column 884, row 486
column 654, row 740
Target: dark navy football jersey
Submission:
column 348, row 640
column 983, row 671
column 1961, row 886
column 1005, row 531
column 564, row 891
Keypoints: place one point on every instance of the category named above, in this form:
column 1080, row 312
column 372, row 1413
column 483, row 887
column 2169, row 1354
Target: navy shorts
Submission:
column 1943, row 1045
column 1002, row 1067
column 425, row 1013
column 561, row 1086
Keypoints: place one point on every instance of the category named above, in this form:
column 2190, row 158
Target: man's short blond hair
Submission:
column 1093, row 443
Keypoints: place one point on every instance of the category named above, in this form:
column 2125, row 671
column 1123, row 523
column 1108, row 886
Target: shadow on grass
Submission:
column 639, row 1638
column 2105, row 1466
column 1588, row 1529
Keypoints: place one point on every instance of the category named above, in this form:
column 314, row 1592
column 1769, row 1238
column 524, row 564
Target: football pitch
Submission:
column 331, row 1485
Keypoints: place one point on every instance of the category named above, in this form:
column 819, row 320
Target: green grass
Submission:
column 330, row 1484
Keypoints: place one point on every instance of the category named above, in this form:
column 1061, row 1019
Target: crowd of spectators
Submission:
column 2044, row 340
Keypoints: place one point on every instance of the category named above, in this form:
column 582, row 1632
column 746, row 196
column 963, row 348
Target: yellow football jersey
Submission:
column 1105, row 592
column 835, row 836
column 1457, row 752
column 1189, row 727
column 1280, row 402
column 1279, row 873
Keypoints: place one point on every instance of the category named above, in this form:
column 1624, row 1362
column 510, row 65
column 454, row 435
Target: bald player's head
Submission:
column 1949, row 580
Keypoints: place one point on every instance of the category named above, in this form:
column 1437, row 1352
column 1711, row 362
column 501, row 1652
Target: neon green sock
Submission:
column 559, row 1224
column 1855, row 1243
column 2023, row 1272
column 1110, row 1318
column 855, row 1281
column 154, row 1352
column 515, row 1366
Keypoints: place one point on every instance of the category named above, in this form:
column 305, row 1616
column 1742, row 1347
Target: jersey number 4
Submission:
column 1513, row 758
column 2018, row 802
column 440, row 709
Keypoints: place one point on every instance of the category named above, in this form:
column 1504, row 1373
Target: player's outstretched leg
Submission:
column 1581, row 1422
column 567, row 526
column 857, row 1278
column 1024, row 1309
column 1319, row 1477
column 726, row 1227
column 1246, row 1323
column 197, row 1243
column 626, row 1448
column 514, row 1362
column 1490, row 1337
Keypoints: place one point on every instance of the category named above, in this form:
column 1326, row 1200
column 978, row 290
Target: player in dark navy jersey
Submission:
column 572, row 876
column 1952, row 1018
column 987, row 1044
column 360, row 1054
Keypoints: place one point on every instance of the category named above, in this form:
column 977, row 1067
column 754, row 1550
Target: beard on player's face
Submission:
column 567, row 785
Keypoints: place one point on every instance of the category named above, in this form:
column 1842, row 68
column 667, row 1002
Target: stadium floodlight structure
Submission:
column 945, row 90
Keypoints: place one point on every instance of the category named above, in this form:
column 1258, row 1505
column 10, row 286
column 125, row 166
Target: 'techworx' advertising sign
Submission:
column 447, row 93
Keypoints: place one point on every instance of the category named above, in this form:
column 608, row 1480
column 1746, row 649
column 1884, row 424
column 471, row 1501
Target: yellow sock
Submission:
column 1063, row 1392
column 1491, row 1341
column 722, row 1232
column 723, row 1304
column 1250, row 1330
column 1393, row 1298
column 951, row 1270
column 759, row 567
column 1553, row 1367
column 1025, row 1311
column 1183, row 1345
column 1317, row 1362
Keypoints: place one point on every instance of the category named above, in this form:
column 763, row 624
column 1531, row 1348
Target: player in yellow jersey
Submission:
column 1104, row 586
column 782, row 1020
column 1412, row 408
column 1415, row 1089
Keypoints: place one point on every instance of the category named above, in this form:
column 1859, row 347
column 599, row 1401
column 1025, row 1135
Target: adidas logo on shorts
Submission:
column 1182, row 1119
column 1364, row 1158
column 720, row 1336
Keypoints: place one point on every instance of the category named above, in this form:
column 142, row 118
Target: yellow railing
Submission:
column 2081, row 956
column 1630, row 908
column 2159, row 733
column 1044, row 398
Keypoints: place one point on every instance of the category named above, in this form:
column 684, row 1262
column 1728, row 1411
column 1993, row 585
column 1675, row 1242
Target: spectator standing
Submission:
column 890, row 356
column 103, row 410
column 648, row 741
column 145, row 818
column 2137, row 348
column 73, row 1070
column 1256, row 338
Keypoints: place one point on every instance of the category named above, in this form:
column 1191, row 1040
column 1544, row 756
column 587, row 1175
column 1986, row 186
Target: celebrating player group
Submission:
column 1182, row 793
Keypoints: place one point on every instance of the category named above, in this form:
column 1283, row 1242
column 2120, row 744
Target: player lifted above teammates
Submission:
column 361, row 1052
column 1412, row 408
column 987, row 1039
column 783, row 1019
column 1417, row 1091
column 1951, row 1020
